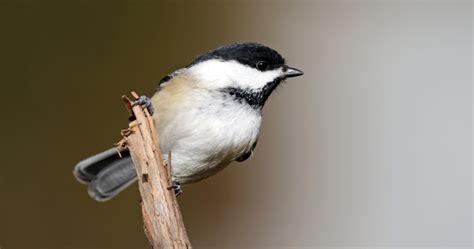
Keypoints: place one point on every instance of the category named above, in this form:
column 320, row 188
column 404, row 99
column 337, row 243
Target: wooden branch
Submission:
column 162, row 218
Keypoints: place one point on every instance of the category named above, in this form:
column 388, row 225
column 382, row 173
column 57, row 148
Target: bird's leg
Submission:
column 142, row 101
column 176, row 188
column 145, row 102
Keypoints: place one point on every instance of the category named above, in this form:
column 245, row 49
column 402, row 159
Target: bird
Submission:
column 208, row 114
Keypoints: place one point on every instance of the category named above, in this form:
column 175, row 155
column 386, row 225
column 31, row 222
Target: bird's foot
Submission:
column 176, row 187
column 145, row 102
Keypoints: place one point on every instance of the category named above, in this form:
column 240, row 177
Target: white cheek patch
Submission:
column 215, row 74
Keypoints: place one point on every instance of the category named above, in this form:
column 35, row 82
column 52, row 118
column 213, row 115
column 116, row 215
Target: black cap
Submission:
column 248, row 53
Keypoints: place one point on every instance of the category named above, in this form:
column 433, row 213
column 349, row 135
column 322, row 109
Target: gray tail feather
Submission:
column 106, row 173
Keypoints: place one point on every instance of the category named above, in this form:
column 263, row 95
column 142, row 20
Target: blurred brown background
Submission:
column 372, row 147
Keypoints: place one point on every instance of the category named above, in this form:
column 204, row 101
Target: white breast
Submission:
column 206, row 133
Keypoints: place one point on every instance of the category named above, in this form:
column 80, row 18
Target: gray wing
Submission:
column 247, row 154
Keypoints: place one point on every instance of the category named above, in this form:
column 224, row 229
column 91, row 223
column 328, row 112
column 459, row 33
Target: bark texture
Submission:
column 163, row 222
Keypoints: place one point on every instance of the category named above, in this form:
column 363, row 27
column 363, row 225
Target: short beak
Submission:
column 292, row 72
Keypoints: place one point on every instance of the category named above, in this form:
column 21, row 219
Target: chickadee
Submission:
column 207, row 114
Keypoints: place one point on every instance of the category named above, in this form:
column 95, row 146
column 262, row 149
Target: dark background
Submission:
column 66, row 66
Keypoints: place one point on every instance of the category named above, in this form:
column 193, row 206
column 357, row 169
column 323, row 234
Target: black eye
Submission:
column 262, row 65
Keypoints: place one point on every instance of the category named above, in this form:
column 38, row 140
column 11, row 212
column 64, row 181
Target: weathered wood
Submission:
column 162, row 218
